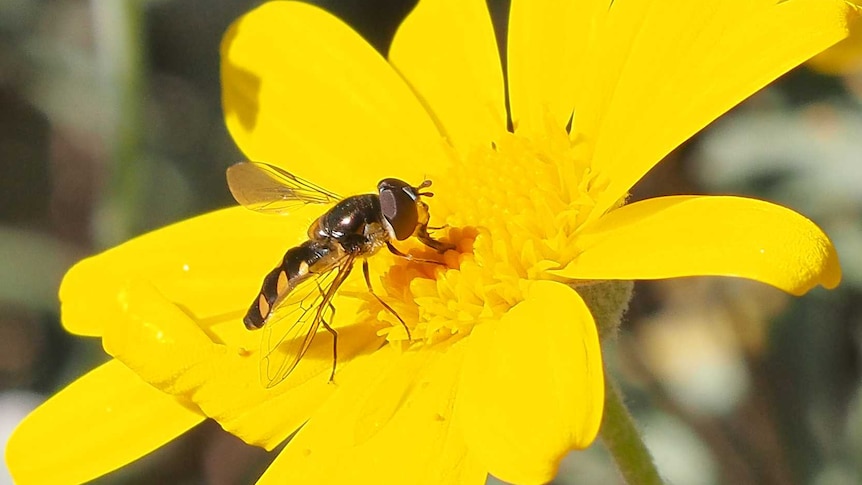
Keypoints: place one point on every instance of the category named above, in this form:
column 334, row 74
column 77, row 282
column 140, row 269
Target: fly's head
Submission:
column 402, row 206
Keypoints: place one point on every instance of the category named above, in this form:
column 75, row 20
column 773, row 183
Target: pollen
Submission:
column 513, row 210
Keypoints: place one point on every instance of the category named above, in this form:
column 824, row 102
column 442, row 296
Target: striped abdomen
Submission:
column 298, row 264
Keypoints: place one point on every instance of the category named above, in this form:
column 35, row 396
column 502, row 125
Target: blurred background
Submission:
column 110, row 126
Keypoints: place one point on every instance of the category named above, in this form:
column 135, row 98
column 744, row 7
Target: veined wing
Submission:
column 295, row 320
column 266, row 188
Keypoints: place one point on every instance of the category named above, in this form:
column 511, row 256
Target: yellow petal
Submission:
column 213, row 265
column 163, row 345
column 447, row 51
column 844, row 57
column 389, row 422
column 531, row 387
column 665, row 69
column 303, row 91
column 546, row 47
column 686, row 236
column 104, row 420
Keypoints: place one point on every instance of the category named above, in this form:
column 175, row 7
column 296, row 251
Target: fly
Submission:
column 295, row 298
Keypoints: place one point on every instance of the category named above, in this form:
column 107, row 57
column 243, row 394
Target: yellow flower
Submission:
column 503, row 373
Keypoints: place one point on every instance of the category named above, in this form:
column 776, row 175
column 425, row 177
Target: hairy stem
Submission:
column 624, row 442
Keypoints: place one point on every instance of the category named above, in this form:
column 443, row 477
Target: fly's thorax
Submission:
column 377, row 235
column 373, row 237
column 349, row 217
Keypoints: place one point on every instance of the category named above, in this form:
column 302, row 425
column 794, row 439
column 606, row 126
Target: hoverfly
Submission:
column 296, row 296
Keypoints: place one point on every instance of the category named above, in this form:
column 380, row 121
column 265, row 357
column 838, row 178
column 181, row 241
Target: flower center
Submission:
column 513, row 209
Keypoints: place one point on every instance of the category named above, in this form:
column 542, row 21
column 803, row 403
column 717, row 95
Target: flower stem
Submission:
column 118, row 33
column 623, row 440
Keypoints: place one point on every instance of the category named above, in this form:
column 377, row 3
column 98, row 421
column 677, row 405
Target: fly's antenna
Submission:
column 425, row 183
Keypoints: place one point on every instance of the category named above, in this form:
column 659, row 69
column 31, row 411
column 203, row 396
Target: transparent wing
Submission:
column 295, row 320
column 266, row 188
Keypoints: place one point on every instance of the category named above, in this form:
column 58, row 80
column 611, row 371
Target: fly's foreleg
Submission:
column 409, row 257
column 421, row 232
column 439, row 246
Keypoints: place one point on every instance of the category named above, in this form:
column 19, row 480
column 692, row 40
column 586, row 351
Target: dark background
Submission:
column 110, row 126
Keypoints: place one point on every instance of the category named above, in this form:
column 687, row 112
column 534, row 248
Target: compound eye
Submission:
column 398, row 204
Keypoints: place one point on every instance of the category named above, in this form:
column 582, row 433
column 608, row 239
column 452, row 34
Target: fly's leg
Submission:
column 327, row 301
column 334, row 339
column 334, row 344
column 408, row 257
column 439, row 246
column 385, row 305
column 421, row 231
